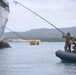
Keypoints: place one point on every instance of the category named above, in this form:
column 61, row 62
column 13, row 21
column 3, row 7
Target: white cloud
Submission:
column 61, row 13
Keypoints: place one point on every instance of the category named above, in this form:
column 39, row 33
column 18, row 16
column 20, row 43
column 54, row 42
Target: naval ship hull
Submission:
column 4, row 13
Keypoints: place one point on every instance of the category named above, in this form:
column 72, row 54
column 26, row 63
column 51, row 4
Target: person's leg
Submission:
column 65, row 47
column 69, row 46
column 74, row 49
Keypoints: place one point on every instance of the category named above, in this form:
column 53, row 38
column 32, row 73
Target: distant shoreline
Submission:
column 41, row 40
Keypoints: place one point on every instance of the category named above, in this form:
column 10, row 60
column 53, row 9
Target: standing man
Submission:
column 68, row 42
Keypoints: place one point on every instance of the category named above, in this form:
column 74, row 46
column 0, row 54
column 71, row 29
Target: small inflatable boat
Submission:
column 66, row 56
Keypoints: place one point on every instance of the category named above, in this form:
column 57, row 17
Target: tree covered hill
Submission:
column 42, row 33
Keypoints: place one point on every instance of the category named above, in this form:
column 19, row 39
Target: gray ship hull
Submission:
column 4, row 13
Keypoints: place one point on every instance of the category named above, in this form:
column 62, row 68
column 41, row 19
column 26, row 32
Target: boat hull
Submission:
column 4, row 13
column 66, row 56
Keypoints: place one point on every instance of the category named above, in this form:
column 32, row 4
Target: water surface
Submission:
column 26, row 59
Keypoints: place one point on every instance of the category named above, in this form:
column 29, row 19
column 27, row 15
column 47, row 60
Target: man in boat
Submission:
column 74, row 47
column 68, row 42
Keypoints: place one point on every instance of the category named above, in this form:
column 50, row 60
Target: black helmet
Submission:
column 68, row 33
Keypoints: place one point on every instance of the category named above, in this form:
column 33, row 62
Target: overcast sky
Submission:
column 61, row 13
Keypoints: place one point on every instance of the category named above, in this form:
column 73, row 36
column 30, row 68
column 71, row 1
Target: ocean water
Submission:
column 26, row 59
